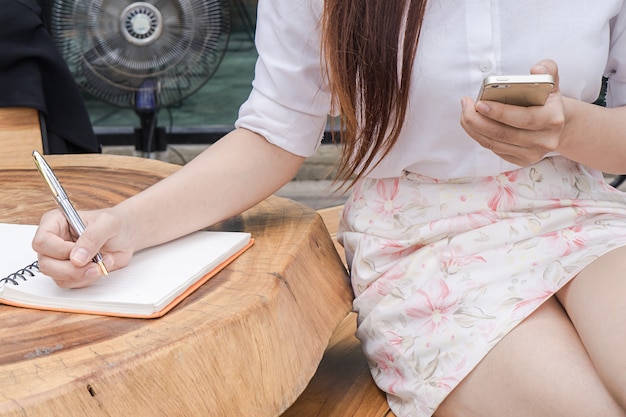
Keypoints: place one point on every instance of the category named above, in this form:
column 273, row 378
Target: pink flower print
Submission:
column 441, row 374
column 458, row 224
column 536, row 299
column 412, row 176
column 384, row 203
column 435, row 306
column 501, row 192
column 446, row 383
column 392, row 374
column 531, row 296
column 452, row 263
column 387, row 282
column 358, row 198
column 395, row 339
column 395, row 250
column 486, row 329
column 566, row 241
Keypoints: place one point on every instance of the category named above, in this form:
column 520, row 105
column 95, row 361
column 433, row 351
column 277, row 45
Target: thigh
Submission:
column 539, row 369
column 596, row 303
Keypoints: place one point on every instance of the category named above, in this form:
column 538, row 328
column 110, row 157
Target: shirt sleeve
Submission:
column 616, row 65
column 290, row 101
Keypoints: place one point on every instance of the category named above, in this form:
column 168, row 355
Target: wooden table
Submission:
column 244, row 344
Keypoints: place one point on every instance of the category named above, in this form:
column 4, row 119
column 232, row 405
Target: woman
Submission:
column 486, row 251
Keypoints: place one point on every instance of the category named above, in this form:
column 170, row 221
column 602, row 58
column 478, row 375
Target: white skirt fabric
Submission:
column 443, row 270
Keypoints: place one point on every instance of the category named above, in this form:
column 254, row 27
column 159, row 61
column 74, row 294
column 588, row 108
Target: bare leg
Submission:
column 596, row 304
column 539, row 369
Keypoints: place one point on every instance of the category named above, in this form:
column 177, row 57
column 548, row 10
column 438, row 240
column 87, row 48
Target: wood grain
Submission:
column 20, row 135
column 332, row 217
column 244, row 344
column 343, row 385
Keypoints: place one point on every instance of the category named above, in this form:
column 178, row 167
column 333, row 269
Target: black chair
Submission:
column 33, row 74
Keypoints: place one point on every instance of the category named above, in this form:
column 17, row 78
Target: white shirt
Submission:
column 461, row 42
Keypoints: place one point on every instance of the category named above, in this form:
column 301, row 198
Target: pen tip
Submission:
column 103, row 269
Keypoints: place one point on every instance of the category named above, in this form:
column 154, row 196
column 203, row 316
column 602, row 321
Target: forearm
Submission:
column 229, row 177
column 595, row 136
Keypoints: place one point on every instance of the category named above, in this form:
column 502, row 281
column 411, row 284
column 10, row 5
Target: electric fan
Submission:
column 145, row 55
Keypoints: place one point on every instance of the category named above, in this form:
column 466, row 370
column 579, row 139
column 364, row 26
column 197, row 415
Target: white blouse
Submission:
column 461, row 42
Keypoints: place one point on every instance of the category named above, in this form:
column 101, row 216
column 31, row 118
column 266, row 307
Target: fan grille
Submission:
column 142, row 23
column 117, row 48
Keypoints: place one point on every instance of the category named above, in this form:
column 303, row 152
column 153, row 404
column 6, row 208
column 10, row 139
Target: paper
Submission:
column 152, row 280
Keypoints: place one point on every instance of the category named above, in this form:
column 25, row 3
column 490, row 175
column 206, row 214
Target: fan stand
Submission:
column 149, row 138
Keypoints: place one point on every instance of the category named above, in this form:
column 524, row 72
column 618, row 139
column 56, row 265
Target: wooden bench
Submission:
column 342, row 385
column 20, row 134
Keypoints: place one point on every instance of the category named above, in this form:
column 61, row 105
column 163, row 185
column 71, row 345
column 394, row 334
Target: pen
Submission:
column 64, row 203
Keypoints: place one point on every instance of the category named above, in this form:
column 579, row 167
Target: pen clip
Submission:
column 49, row 177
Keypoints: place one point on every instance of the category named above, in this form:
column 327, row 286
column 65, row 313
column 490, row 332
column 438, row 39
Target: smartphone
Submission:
column 520, row 90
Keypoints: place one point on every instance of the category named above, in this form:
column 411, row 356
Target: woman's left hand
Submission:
column 520, row 135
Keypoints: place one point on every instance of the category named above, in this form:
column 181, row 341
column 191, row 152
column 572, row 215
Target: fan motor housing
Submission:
column 141, row 23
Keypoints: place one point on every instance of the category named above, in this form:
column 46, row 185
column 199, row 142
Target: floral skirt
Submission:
column 443, row 270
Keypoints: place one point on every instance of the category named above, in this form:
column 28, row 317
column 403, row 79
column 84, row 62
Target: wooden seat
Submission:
column 342, row 385
column 331, row 217
column 20, row 134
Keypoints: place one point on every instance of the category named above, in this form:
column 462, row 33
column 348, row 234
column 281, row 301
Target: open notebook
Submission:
column 152, row 284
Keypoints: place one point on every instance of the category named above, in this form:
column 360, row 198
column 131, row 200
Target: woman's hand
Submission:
column 234, row 174
column 520, row 135
column 70, row 263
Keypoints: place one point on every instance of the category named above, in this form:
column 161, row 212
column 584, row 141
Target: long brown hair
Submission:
column 369, row 47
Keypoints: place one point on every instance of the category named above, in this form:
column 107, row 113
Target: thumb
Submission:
column 547, row 66
column 87, row 246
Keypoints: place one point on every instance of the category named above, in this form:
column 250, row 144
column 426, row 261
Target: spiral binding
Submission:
column 22, row 274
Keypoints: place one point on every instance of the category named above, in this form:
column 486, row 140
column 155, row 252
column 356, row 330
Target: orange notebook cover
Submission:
column 155, row 281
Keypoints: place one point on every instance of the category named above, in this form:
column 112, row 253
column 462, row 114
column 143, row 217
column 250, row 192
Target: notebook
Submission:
column 155, row 280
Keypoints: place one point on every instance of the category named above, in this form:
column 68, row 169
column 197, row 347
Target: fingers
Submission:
column 92, row 240
column 533, row 118
column 517, row 120
column 547, row 66
column 53, row 236
column 490, row 134
column 521, row 135
column 53, row 243
column 514, row 132
column 67, row 275
column 70, row 264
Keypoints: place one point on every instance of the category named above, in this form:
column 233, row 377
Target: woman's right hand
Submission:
column 68, row 259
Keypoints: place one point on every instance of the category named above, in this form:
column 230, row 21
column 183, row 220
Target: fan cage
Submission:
column 118, row 50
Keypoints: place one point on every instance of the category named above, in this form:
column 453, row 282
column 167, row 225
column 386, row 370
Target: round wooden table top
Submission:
column 245, row 344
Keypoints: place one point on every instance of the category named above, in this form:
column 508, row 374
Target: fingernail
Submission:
column 482, row 107
column 463, row 103
column 93, row 272
column 108, row 262
column 80, row 256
